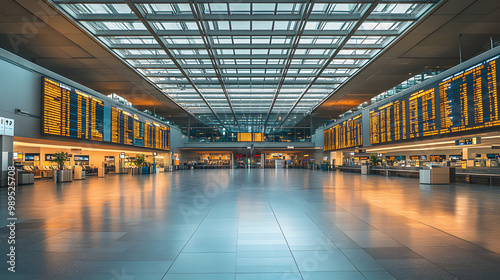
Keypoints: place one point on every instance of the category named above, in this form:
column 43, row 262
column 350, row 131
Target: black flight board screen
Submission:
column 127, row 129
column 467, row 100
column 346, row 134
column 71, row 113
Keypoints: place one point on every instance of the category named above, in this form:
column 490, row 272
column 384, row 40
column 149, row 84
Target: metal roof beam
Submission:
column 342, row 45
column 139, row 14
column 256, row 56
column 232, row 1
column 242, row 66
column 242, row 33
column 237, row 17
column 208, row 45
column 236, row 75
column 244, row 46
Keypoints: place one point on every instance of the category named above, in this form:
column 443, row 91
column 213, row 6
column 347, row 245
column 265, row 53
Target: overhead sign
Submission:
column 6, row 126
column 468, row 141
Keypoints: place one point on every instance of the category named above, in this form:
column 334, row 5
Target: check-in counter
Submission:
column 435, row 175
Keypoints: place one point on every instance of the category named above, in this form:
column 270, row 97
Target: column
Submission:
column 7, row 146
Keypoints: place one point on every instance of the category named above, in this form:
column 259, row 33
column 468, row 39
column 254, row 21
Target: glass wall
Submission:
column 211, row 134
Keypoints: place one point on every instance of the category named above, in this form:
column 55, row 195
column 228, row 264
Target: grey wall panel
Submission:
column 21, row 82
column 366, row 128
column 21, row 89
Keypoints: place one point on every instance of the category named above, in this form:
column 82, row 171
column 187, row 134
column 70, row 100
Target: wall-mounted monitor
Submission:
column 81, row 158
column 395, row 158
column 31, row 157
column 346, row 134
column 51, row 157
column 69, row 112
column 438, row 157
column 109, row 158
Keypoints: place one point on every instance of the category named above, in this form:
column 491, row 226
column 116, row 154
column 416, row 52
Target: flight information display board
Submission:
column 389, row 122
column 127, row 129
column 467, row 100
column 346, row 134
column 250, row 137
column 71, row 113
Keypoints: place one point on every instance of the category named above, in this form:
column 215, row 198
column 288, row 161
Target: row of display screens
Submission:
column 71, row 113
column 51, row 157
column 346, row 134
column 438, row 157
column 465, row 101
column 250, row 137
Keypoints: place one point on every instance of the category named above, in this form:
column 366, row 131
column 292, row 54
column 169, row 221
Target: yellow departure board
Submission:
column 250, row 137
column 347, row 134
column 126, row 128
column 422, row 109
column 71, row 113
column 244, row 137
column 467, row 100
column 389, row 122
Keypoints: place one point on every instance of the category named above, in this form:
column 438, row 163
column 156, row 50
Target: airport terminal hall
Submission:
column 249, row 140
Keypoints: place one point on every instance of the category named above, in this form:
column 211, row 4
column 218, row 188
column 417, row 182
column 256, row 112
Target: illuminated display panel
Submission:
column 346, row 134
column 467, row 100
column 250, row 137
column 127, row 129
column 258, row 137
column 389, row 122
column 71, row 113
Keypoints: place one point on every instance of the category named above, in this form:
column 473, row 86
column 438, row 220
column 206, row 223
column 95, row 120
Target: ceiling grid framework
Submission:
column 246, row 65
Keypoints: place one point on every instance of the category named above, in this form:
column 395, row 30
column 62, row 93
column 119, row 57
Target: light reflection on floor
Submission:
column 254, row 224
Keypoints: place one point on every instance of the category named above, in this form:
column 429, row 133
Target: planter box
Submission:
column 135, row 171
column 145, row 170
column 365, row 169
column 64, row 176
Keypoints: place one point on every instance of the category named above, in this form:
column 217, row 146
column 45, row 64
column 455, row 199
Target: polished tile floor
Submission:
column 254, row 224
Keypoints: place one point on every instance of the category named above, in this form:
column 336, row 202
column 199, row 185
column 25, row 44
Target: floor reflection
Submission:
column 253, row 224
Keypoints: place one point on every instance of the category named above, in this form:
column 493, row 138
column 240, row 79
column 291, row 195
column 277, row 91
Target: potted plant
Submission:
column 62, row 175
column 374, row 160
column 142, row 164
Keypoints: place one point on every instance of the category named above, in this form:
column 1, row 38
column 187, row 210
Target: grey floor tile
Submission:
column 200, row 276
column 337, row 225
column 342, row 275
column 204, row 263
column 322, row 261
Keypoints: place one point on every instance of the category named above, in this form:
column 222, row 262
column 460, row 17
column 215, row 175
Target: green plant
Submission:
column 60, row 158
column 140, row 161
column 374, row 159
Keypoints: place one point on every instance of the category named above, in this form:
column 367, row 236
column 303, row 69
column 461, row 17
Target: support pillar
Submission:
column 7, row 148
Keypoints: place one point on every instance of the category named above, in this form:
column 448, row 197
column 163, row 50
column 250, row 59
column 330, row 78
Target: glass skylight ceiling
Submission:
column 253, row 65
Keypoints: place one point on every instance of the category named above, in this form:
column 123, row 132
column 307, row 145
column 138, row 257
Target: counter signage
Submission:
column 6, row 126
column 468, row 141
column 9, row 127
column 2, row 126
